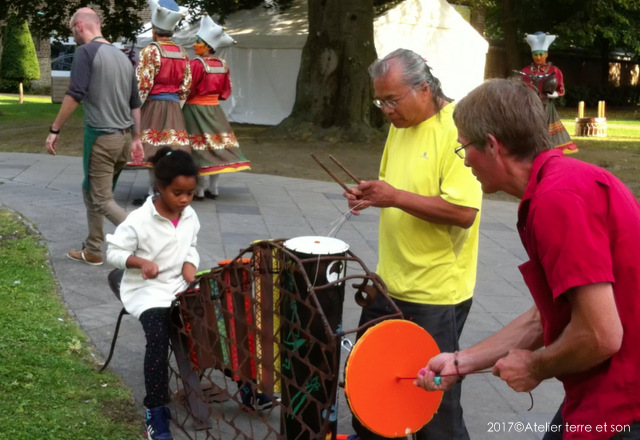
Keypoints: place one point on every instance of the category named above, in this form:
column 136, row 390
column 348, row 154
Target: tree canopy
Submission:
column 588, row 24
column 120, row 18
column 592, row 25
column 51, row 18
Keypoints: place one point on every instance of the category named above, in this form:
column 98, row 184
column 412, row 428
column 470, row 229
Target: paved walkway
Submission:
column 46, row 190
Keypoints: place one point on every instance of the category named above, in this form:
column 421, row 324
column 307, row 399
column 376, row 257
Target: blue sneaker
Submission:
column 157, row 421
column 262, row 402
column 254, row 400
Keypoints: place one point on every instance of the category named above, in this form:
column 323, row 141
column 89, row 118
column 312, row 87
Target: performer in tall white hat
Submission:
column 547, row 80
column 164, row 80
column 213, row 143
column 166, row 14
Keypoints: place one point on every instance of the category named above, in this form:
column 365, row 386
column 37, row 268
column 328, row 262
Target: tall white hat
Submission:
column 213, row 34
column 539, row 41
column 165, row 14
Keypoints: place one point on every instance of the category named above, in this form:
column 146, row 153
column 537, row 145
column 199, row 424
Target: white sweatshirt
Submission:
column 146, row 234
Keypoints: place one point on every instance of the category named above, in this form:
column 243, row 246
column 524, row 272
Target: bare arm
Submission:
column 189, row 272
column 66, row 110
column 433, row 209
column 524, row 332
column 137, row 151
column 593, row 335
column 149, row 268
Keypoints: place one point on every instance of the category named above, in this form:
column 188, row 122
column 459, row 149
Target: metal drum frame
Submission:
column 240, row 325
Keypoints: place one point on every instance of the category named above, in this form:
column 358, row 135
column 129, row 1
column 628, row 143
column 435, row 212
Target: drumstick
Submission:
column 333, row 176
column 353, row 176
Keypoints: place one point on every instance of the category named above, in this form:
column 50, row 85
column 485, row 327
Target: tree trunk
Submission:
column 21, row 92
column 510, row 37
column 333, row 87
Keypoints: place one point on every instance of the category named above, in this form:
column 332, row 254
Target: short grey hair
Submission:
column 509, row 110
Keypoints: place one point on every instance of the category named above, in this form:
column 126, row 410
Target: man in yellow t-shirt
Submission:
column 429, row 221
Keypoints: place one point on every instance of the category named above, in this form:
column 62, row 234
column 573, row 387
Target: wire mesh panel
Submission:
column 257, row 344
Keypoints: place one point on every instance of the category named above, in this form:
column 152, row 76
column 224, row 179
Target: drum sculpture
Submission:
column 264, row 361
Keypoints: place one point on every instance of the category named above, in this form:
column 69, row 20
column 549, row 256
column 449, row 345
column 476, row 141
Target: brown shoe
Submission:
column 85, row 257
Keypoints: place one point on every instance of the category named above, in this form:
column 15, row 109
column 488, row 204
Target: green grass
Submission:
column 34, row 107
column 617, row 130
column 25, row 127
column 49, row 383
column 622, row 125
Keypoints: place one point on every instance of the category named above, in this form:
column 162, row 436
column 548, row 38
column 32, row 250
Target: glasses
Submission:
column 390, row 103
column 460, row 151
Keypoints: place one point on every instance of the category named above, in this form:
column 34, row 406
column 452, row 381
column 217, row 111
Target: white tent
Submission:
column 265, row 61
column 433, row 28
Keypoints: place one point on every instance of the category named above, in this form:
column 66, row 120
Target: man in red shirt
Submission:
column 583, row 274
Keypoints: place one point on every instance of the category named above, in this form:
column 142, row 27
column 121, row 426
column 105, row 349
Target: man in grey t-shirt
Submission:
column 103, row 79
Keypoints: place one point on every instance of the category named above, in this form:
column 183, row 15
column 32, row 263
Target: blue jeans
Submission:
column 444, row 324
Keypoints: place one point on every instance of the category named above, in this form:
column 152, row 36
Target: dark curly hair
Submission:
column 169, row 164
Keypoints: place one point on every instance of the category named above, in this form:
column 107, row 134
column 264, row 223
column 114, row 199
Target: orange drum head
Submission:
column 382, row 402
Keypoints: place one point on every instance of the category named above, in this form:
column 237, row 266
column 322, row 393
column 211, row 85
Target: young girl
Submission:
column 156, row 245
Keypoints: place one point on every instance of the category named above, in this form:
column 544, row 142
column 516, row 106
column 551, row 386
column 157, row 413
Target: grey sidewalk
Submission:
column 46, row 190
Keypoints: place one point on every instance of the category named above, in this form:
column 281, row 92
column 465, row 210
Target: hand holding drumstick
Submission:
column 368, row 193
column 376, row 193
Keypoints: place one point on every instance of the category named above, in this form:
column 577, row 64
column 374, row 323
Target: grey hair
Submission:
column 415, row 71
column 509, row 110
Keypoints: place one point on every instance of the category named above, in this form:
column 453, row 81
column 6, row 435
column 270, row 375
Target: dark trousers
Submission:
column 444, row 324
column 155, row 323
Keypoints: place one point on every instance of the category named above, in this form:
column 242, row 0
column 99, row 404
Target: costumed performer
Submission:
column 164, row 79
column 547, row 80
column 214, row 145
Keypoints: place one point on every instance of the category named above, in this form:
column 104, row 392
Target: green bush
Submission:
column 19, row 60
column 9, row 85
